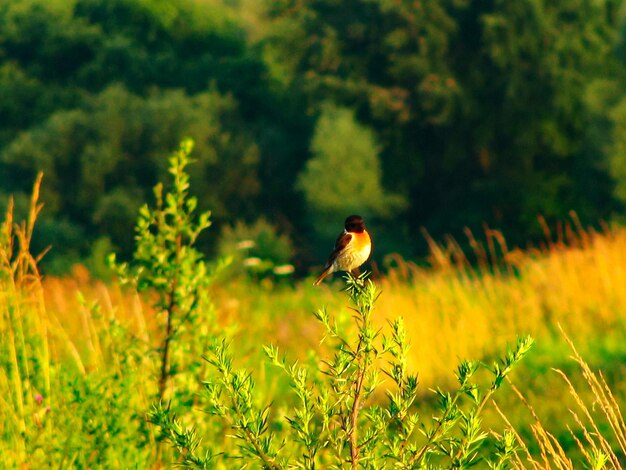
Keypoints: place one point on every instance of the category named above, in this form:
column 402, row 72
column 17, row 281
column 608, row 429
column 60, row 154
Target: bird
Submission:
column 352, row 249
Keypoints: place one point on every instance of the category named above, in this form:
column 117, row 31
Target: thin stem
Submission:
column 165, row 358
column 354, row 415
column 417, row 458
column 480, row 407
column 169, row 311
column 267, row 461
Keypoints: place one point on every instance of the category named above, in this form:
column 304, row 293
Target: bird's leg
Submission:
column 355, row 273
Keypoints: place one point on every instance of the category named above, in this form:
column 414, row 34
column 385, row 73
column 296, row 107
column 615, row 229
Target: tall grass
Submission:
column 596, row 425
column 576, row 282
column 459, row 307
column 73, row 381
column 80, row 358
column 26, row 374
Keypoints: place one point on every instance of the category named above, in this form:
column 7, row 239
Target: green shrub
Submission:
column 64, row 404
column 256, row 250
column 337, row 419
column 166, row 262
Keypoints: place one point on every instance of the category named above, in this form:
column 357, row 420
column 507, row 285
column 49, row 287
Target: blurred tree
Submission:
column 65, row 72
column 19, row 103
column 163, row 43
column 100, row 159
column 479, row 106
column 343, row 175
column 617, row 149
column 606, row 137
column 534, row 128
column 40, row 48
column 46, row 40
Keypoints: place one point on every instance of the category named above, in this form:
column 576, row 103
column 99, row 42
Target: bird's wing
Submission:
column 342, row 241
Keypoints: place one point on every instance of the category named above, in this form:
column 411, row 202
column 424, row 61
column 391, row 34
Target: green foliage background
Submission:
column 441, row 114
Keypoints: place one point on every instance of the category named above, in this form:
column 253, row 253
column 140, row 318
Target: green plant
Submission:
column 337, row 419
column 257, row 250
column 165, row 261
column 63, row 403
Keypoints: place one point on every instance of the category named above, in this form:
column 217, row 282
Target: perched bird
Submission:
column 352, row 248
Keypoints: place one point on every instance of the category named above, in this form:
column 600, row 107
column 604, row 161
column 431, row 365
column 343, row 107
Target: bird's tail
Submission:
column 324, row 275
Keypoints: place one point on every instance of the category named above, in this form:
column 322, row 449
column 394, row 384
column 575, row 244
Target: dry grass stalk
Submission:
column 519, row 440
column 604, row 398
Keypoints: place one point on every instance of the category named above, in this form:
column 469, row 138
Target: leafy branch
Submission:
column 165, row 259
column 337, row 421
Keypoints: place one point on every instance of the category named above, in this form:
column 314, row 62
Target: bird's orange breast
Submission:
column 362, row 241
column 355, row 253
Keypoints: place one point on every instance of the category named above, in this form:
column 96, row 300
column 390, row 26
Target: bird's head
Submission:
column 355, row 223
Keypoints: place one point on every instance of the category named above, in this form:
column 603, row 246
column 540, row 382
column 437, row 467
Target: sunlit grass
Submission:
column 451, row 311
column 464, row 312
column 66, row 384
column 60, row 332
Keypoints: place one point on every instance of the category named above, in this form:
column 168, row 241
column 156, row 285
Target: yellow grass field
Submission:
column 579, row 284
column 452, row 310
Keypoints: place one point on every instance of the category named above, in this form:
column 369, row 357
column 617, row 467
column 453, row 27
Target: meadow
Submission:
column 81, row 359
column 197, row 339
